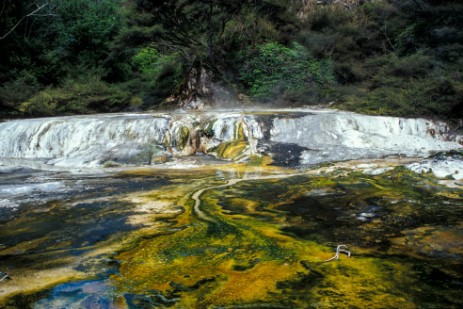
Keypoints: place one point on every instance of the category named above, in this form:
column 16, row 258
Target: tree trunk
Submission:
column 210, row 34
column 196, row 92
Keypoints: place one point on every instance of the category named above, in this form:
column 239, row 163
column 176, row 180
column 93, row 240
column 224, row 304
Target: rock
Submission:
column 377, row 171
column 339, row 136
column 293, row 137
column 441, row 167
column 130, row 154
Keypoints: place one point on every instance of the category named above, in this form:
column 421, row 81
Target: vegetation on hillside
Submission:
column 381, row 57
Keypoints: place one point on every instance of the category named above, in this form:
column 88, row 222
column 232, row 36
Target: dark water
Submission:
column 265, row 248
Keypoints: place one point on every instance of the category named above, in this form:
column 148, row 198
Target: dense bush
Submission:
column 63, row 41
column 381, row 57
column 275, row 70
column 13, row 93
column 159, row 75
column 83, row 96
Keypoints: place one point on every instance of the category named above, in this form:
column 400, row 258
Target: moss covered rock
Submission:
column 232, row 150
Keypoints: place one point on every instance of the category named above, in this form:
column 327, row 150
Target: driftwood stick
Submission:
column 339, row 249
column 4, row 277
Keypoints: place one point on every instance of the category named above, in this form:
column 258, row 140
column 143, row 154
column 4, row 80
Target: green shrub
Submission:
column 415, row 65
column 14, row 92
column 330, row 17
column 146, row 59
column 276, row 70
column 160, row 75
column 78, row 97
column 42, row 104
column 406, row 40
column 416, row 98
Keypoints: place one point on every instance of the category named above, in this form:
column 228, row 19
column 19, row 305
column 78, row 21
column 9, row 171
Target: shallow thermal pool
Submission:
column 230, row 236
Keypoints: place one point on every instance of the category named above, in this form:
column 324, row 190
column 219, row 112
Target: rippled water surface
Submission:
column 230, row 236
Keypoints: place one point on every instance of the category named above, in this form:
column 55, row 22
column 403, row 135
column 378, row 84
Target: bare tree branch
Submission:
column 33, row 13
column 3, row 8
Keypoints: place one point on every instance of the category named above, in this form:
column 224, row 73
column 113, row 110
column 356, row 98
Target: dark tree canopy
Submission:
column 81, row 56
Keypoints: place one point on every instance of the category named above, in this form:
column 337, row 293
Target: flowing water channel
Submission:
column 231, row 236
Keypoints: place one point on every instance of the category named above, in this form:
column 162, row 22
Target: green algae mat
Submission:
column 241, row 236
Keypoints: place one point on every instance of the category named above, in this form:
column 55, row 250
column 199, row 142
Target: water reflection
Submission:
column 83, row 294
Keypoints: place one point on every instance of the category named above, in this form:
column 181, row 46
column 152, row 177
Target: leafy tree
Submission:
column 48, row 41
column 201, row 32
column 82, row 32
column 275, row 70
column 386, row 57
column 184, row 26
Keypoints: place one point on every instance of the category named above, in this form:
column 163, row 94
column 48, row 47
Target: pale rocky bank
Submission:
column 292, row 137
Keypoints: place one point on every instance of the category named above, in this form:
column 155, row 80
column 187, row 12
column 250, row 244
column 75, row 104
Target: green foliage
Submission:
column 415, row 65
column 275, row 70
column 14, row 92
column 146, row 59
column 159, row 75
column 391, row 58
column 406, row 40
column 189, row 27
column 88, row 95
column 381, row 57
column 427, row 96
column 64, row 34
column 84, row 30
column 165, row 70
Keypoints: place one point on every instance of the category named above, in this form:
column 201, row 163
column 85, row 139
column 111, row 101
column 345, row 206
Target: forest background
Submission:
column 383, row 57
